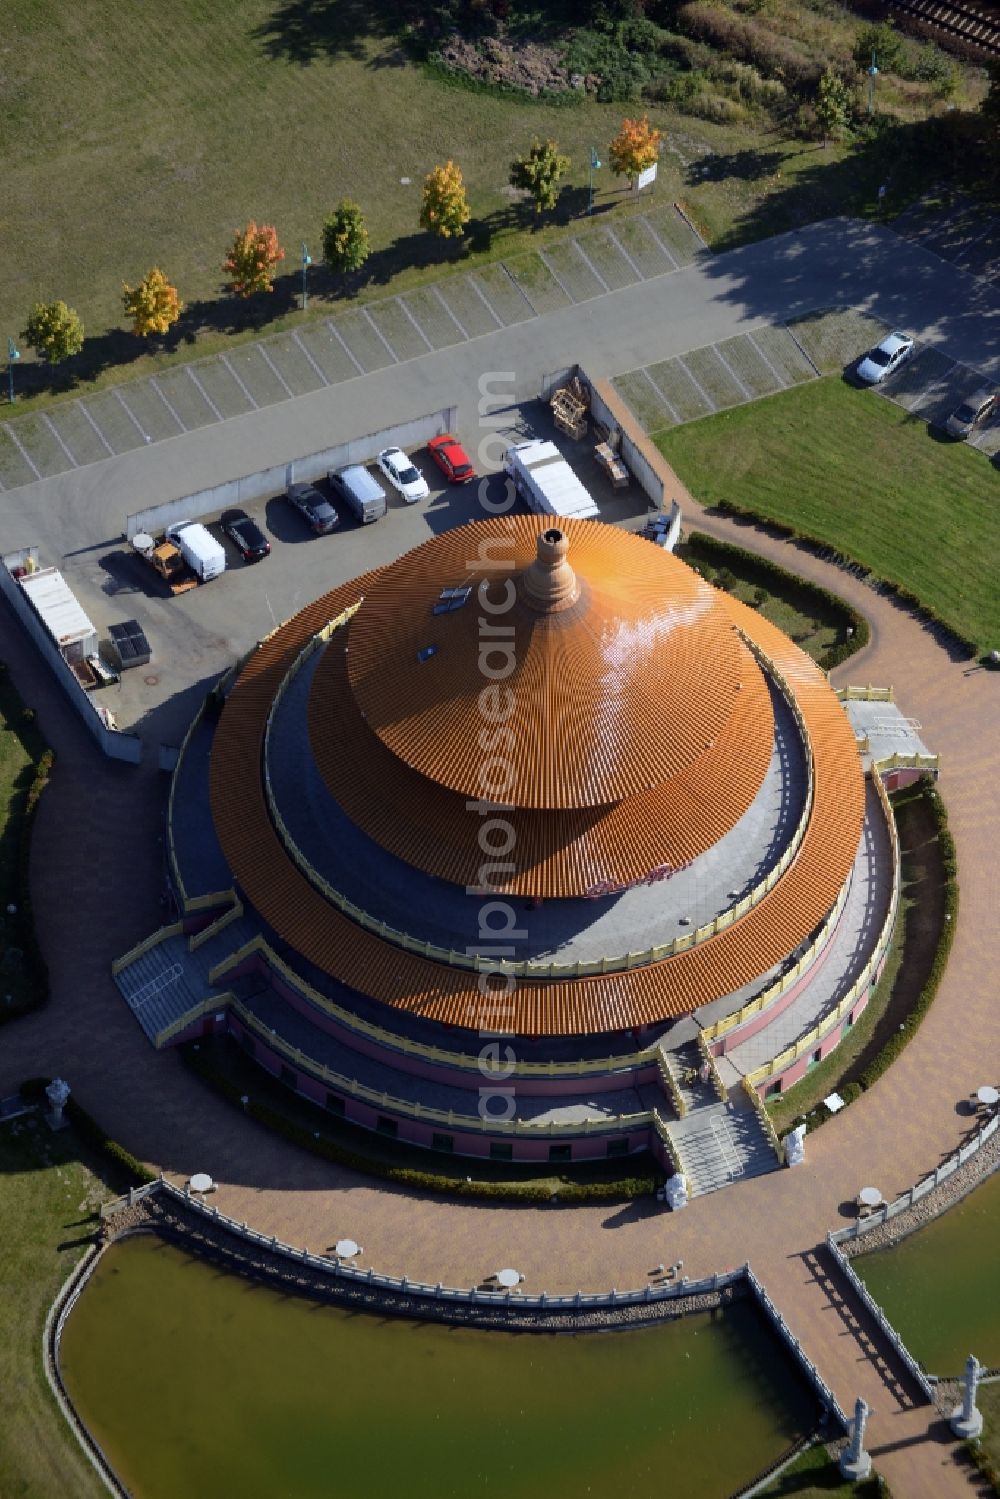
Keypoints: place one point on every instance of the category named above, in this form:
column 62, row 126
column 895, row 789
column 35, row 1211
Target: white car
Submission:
column 402, row 475
column 893, row 351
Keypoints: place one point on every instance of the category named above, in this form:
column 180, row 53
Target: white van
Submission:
column 361, row 491
column 199, row 548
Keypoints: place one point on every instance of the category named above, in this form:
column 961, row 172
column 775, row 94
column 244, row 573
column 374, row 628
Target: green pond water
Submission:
column 198, row 1383
column 939, row 1286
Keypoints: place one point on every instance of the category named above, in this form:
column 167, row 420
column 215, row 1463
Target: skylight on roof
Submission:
column 426, row 652
column 451, row 599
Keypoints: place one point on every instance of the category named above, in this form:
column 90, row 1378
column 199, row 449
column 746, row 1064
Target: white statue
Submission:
column 795, row 1146
column 967, row 1419
column 677, row 1192
column 855, row 1462
column 57, row 1093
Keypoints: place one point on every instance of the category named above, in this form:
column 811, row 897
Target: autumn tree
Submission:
column 445, row 209
column 539, row 173
column 833, row 105
column 634, row 148
column 345, row 238
column 254, row 254
column 54, row 331
column 153, row 305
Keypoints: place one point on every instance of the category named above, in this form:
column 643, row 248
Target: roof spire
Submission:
column 550, row 584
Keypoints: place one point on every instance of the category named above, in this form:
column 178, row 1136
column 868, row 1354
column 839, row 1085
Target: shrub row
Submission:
column 842, row 559
column 37, row 969
column 750, row 41
column 983, row 1464
column 408, row 1176
column 753, row 565
column 92, row 1134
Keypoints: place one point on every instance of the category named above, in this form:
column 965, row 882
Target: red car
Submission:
column 452, row 459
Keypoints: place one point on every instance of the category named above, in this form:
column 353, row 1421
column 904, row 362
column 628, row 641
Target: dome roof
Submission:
column 611, row 666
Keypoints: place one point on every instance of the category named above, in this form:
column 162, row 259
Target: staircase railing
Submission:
column 764, row 1119
column 670, row 1083
column 708, row 1061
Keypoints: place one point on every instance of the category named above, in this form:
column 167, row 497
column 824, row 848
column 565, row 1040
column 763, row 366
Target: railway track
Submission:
column 977, row 28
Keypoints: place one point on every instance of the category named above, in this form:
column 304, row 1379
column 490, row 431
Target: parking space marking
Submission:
column 334, row 330
column 239, row 382
column 131, row 415
column 555, row 276
column 660, row 395
column 618, row 245
column 782, row 382
column 276, row 372
column 401, row 304
column 297, row 340
column 55, row 434
column 97, row 431
column 448, row 310
column 578, row 247
column 381, row 336
column 712, row 405
column 205, row 395
column 21, row 449
column 725, row 362
column 173, row 413
column 670, row 256
column 519, row 290
column 471, row 281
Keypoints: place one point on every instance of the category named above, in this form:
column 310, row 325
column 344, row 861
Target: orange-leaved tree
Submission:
column 254, row 254
column 153, row 305
column 445, row 209
column 634, row 148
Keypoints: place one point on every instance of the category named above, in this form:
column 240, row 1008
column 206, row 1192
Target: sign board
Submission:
column 646, row 178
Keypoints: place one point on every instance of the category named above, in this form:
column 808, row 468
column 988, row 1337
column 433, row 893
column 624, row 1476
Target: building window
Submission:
column 773, row 1089
column 443, row 1142
column 335, row 1104
column 387, row 1126
column 848, row 1023
column 501, row 1151
column 817, row 1056
column 247, row 1043
column 617, row 1147
column 289, row 1076
column 560, row 1153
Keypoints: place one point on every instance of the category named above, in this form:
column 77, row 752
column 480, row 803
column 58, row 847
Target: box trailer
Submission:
column 59, row 611
column 199, row 548
column 545, row 481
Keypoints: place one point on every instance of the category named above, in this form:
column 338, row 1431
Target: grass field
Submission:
column 864, row 476
column 815, row 1475
column 21, row 747
column 47, row 1199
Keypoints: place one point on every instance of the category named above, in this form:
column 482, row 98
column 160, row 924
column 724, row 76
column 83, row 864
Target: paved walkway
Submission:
column 97, row 876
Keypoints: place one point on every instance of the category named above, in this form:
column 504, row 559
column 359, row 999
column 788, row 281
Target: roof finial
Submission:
column 550, row 583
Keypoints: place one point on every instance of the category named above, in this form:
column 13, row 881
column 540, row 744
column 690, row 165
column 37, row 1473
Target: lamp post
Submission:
column 13, row 355
column 595, row 166
column 872, row 75
column 306, row 263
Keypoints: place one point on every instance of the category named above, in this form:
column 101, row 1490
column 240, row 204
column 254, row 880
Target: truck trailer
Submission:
column 546, row 483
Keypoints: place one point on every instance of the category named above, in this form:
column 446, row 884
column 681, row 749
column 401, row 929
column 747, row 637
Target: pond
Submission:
column 199, row 1383
column 938, row 1287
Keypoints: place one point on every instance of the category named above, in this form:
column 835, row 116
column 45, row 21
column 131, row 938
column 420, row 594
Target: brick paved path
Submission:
column 97, row 878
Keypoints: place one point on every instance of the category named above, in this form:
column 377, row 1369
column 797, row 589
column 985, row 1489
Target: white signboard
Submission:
column 646, row 178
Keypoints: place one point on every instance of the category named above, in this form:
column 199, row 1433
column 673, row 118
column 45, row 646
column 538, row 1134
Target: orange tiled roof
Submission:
column 363, row 961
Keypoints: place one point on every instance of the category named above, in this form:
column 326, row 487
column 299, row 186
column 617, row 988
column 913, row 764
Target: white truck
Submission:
column 199, row 548
column 545, row 481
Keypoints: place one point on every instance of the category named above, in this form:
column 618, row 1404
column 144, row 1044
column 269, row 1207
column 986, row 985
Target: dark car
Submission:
column 245, row 534
column 452, row 459
column 318, row 513
column 980, row 406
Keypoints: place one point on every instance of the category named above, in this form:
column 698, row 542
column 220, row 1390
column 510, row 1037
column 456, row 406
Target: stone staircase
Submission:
column 169, row 981
column 716, row 1142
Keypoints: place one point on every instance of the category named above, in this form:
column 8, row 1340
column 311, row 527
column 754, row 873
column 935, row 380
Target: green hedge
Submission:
column 625, row 1187
column 91, row 1133
column 754, row 564
column 983, row 1464
column 37, row 968
column 831, row 553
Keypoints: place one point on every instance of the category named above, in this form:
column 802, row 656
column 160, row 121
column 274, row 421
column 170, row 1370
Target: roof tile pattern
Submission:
column 613, row 1002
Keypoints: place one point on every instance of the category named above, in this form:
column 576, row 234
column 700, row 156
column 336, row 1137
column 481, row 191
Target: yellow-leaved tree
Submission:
column 634, row 148
column 445, row 209
column 153, row 305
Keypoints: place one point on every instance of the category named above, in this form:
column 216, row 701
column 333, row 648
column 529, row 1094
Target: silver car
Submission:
column 886, row 358
column 980, row 406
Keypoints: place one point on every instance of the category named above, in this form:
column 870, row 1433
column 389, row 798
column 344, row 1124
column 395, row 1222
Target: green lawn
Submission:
column 858, row 472
column 47, row 1200
column 815, row 1475
column 21, row 747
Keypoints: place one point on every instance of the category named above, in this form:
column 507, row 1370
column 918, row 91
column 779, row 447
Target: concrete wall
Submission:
column 118, row 746
column 251, row 487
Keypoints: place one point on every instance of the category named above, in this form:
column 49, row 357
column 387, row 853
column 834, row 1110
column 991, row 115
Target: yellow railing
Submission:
column 469, row 1122
column 764, row 1119
column 214, row 1002
column 867, row 694
column 670, row 1082
column 531, row 968
column 218, row 925
column 671, row 1148
column 805, row 1043
column 708, row 1061
column 146, row 945
column 209, row 899
column 912, row 761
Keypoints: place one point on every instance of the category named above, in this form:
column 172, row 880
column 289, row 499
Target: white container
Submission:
column 546, row 482
column 200, row 550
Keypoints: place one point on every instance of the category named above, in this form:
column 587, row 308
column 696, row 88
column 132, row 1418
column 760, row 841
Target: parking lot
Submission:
column 961, row 231
column 196, row 635
column 74, row 434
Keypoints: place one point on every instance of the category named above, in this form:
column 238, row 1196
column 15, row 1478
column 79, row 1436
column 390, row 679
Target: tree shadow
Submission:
column 303, row 31
column 742, row 166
